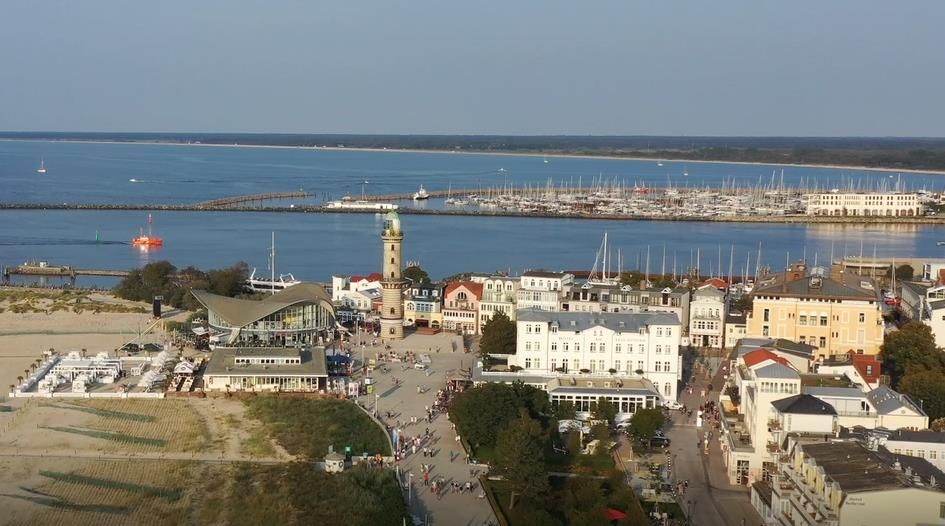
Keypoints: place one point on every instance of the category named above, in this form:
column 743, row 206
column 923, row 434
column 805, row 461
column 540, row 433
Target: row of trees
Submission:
column 916, row 366
column 161, row 278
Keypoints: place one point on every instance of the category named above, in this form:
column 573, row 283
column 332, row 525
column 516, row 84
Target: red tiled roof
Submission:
column 862, row 361
column 717, row 283
column 375, row 276
column 759, row 355
column 474, row 288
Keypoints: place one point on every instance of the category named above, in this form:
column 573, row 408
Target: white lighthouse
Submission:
column 392, row 312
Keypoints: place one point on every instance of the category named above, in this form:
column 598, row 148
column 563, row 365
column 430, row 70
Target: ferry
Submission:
column 149, row 240
column 361, row 205
column 421, row 194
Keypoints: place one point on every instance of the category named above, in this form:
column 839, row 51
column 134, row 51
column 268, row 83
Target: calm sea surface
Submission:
column 314, row 246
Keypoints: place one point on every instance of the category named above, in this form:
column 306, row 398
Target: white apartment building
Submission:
column 707, row 311
column 864, row 204
column 926, row 444
column 356, row 292
column 736, row 328
column 601, row 344
column 543, row 290
column 844, row 483
column 600, row 297
column 498, row 295
column 926, row 304
column 879, row 407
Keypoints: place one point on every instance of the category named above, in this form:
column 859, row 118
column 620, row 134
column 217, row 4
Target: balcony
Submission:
column 774, row 425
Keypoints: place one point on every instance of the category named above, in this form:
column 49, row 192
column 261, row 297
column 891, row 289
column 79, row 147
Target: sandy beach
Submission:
column 506, row 154
column 50, row 320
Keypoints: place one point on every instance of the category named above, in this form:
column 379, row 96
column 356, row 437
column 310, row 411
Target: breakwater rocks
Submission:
column 310, row 209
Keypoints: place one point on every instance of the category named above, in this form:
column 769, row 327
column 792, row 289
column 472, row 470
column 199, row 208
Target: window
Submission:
column 537, row 363
column 658, row 366
column 802, row 320
column 641, row 348
column 659, row 349
column 528, row 346
column 666, row 366
column 600, row 364
column 528, row 363
column 617, row 365
column 577, row 346
column 640, row 365
column 659, row 331
column 554, row 364
column 617, row 348
column 823, row 321
column 603, row 347
column 823, row 342
column 537, row 329
column 862, row 317
column 576, row 363
column 932, row 454
column 554, row 346
column 667, row 388
column 564, row 346
column 593, row 347
column 528, row 329
column 767, row 316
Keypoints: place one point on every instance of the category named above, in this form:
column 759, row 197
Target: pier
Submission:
column 45, row 270
column 252, row 199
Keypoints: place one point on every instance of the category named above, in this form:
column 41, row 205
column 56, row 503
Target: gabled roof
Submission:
column 372, row 277
column 761, row 355
column 716, row 283
column 240, row 312
column 862, row 362
column 474, row 288
column 927, row 436
column 803, row 404
column 887, row 401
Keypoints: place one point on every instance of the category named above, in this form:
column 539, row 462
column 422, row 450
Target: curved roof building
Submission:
column 299, row 315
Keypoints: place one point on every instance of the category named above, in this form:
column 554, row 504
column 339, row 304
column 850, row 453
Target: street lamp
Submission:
column 689, row 504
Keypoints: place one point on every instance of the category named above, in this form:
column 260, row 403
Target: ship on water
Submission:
column 149, row 240
column 271, row 284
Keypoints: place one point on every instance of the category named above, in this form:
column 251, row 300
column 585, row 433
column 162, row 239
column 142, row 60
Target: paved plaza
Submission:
column 396, row 391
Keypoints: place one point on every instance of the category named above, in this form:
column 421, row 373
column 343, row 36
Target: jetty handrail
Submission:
column 237, row 199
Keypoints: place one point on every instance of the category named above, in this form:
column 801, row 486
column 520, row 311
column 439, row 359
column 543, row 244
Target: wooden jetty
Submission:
column 43, row 269
column 251, row 200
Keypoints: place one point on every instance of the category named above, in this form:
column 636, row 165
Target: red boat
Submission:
column 149, row 240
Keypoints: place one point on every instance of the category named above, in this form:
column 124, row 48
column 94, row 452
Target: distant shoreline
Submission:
column 484, row 152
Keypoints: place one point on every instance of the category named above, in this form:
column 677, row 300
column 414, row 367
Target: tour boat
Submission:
column 421, row 194
column 42, row 167
column 149, row 240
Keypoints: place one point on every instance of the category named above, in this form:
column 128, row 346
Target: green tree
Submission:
column 479, row 412
column 565, row 410
column 903, row 272
column 520, row 458
column 926, row 388
column 938, row 424
column 646, row 422
column 498, row 335
column 631, row 278
column 416, row 274
column 909, row 350
column 744, row 303
column 603, row 409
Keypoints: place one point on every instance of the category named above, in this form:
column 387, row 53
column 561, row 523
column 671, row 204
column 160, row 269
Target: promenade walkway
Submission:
column 404, row 402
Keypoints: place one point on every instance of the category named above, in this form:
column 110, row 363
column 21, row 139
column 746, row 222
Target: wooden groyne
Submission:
column 58, row 271
column 252, row 199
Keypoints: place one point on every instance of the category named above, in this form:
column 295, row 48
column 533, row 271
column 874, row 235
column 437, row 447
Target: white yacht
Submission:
column 271, row 284
column 421, row 194
column 42, row 167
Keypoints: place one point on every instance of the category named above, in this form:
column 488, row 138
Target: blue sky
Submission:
column 801, row 67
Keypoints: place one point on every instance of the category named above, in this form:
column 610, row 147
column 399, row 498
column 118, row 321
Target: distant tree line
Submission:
column 161, row 278
column 875, row 152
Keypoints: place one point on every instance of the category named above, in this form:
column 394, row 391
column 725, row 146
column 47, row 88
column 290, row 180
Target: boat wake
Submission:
column 37, row 241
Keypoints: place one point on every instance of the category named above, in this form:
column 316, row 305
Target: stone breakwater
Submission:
column 787, row 219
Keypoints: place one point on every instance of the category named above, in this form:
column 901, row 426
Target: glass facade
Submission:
column 302, row 323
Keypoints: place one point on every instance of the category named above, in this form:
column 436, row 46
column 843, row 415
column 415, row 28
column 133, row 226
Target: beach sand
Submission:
column 25, row 335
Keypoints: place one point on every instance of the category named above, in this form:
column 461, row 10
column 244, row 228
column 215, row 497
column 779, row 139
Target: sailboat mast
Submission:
column 272, row 264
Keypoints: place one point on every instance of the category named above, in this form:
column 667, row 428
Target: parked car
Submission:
column 672, row 404
column 420, row 365
column 660, row 441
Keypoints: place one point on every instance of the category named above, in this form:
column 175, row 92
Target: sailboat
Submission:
column 449, row 196
column 42, row 167
column 659, row 163
column 147, row 240
column 272, row 284
column 545, row 159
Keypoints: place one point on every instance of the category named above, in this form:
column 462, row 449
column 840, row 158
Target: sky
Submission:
column 620, row 67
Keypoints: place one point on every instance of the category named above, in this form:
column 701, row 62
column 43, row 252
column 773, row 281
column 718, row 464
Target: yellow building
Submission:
column 833, row 315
